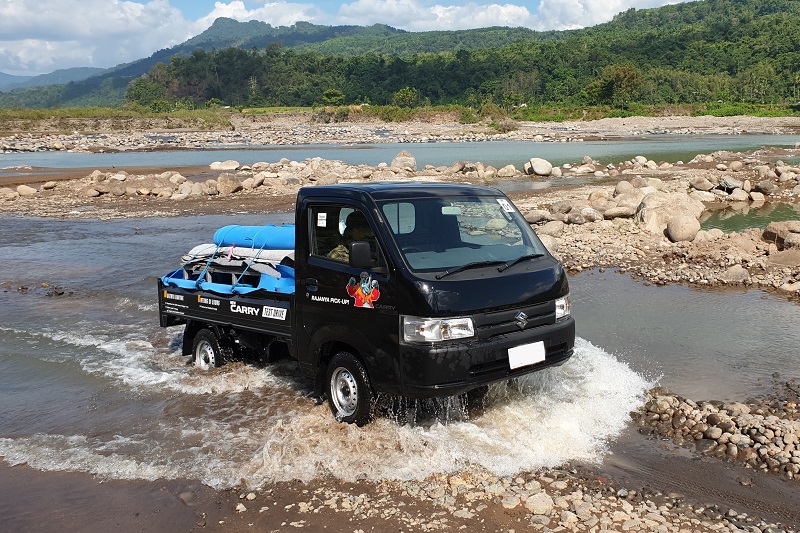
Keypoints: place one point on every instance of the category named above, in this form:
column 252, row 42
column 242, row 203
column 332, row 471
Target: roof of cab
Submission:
column 387, row 190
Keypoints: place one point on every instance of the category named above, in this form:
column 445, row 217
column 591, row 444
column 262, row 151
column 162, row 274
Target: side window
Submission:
column 401, row 217
column 334, row 227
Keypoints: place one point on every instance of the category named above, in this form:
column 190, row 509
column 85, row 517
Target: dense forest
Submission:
column 744, row 51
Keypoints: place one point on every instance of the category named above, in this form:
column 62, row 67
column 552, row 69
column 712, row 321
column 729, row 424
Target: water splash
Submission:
column 270, row 430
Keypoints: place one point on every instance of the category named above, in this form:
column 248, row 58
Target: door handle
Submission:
column 311, row 284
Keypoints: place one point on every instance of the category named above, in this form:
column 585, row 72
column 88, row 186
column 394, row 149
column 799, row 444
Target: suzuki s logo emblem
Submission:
column 521, row 319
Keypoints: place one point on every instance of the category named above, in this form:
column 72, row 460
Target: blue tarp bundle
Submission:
column 269, row 237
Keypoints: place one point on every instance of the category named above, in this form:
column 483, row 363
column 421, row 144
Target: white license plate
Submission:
column 527, row 354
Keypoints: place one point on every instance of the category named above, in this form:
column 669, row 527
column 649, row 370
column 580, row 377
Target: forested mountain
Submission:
column 8, row 80
column 108, row 87
column 731, row 50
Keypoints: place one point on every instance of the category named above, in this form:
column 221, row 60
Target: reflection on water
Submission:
column 741, row 216
column 89, row 382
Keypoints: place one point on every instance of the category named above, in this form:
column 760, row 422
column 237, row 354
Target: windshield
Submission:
column 436, row 234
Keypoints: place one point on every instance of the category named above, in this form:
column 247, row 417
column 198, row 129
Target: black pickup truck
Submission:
column 416, row 290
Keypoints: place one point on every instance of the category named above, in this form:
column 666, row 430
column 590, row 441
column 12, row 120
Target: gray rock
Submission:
column 405, row 161
column 227, row 184
column 767, row 187
column 540, row 167
column 591, row 214
column 26, row 190
column 623, row 187
column 738, row 195
column 735, row 274
column 701, row 184
column 230, row 164
column 682, row 228
column 550, row 242
column 619, row 212
column 508, row 171
column 536, row 215
column 791, row 241
column 575, row 218
column 50, row 185
column 553, row 228
column 539, row 504
column 729, row 183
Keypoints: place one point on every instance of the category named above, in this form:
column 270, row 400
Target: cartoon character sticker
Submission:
column 365, row 291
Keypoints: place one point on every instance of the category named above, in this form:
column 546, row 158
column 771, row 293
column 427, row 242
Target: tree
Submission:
column 406, row 97
column 333, row 97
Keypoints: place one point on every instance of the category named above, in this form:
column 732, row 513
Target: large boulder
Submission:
column 701, row 184
column 227, row 184
column 767, row 187
column 630, row 199
column 405, row 160
column 508, row 171
column 26, row 190
column 539, row 166
column 554, row 228
column 657, row 208
column 779, row 231
column 682, row 228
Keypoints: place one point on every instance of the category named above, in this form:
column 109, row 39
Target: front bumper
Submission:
column 457, row 367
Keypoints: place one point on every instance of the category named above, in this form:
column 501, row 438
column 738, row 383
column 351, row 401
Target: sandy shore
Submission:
column 652, row 484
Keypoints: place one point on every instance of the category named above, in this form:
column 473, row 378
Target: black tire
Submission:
column 349, row 391
column 206, row 351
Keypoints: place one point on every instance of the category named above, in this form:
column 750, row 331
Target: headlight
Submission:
column 416, row 329
column 563, row 307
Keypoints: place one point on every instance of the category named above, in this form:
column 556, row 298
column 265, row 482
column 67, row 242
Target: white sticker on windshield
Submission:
column 322, row 220
column 506, row 205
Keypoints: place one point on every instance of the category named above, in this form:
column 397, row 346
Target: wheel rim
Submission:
column 344, row 392
column 204, row 356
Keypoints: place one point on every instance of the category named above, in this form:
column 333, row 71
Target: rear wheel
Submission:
column 206, row 350
column 349, row 392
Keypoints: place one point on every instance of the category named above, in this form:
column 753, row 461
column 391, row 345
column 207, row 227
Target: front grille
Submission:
column 496, row 323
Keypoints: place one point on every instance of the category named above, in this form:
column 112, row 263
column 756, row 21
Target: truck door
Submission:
column 344, row 304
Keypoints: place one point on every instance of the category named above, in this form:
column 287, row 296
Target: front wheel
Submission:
column 349, row 392
column 206, row 350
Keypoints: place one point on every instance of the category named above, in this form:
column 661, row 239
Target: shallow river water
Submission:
column 89, row 382
column 671, row 148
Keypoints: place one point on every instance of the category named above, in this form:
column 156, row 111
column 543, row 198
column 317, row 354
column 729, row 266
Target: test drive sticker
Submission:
column 506, row 205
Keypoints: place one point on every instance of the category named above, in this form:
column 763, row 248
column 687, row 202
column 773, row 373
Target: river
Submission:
column 671, row 148
column 89, row 382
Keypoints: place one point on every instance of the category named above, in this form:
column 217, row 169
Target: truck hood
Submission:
column 488, row 290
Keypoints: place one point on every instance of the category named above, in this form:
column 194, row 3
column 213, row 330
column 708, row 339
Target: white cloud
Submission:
column 571, row 14
column 43, row 36
column 412, row 15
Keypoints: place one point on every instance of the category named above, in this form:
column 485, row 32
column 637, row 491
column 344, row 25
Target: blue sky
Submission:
column 41, row 36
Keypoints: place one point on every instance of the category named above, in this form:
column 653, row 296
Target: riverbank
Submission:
column 92, row 136
column 690, row 490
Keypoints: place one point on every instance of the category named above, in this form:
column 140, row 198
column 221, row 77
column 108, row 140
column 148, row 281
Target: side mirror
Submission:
column 361, row 255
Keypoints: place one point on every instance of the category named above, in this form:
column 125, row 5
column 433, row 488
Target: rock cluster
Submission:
column 756, row 436
column 744, row 181
column 566, row 500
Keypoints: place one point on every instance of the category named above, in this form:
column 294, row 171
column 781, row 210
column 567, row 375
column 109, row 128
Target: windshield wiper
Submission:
column 468, row 266
column 510, row 264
